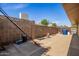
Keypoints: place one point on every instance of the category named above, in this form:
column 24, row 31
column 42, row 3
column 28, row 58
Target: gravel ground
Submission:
column 58, row 44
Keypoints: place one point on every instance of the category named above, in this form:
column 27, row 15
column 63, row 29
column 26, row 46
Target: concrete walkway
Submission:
column 59, row 44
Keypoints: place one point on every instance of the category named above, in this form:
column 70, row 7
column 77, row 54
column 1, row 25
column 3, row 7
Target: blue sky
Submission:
column 53, row 12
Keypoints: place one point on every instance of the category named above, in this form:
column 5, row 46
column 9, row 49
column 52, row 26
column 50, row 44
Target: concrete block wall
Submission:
column 41, row 31
column 26, row 26
column 9, row 32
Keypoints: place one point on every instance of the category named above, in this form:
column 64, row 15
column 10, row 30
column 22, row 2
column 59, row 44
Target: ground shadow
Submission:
column 24, row 49
column 74, row 46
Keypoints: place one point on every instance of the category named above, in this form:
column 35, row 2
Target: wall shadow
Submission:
column 74, row 46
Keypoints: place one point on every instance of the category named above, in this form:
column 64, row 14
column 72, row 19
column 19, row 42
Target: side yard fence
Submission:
column 9, row 32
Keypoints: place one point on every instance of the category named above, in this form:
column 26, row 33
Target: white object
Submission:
column 68, row 33
column 23, row 16
column 73, row 31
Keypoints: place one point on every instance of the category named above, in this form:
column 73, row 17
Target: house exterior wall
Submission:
column 72, row 10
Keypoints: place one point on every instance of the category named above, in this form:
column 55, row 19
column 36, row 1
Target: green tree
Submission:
column 44, row 22
column 54, row 24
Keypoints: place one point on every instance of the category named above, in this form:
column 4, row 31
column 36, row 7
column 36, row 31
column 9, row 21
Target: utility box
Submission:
column 65, row 31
